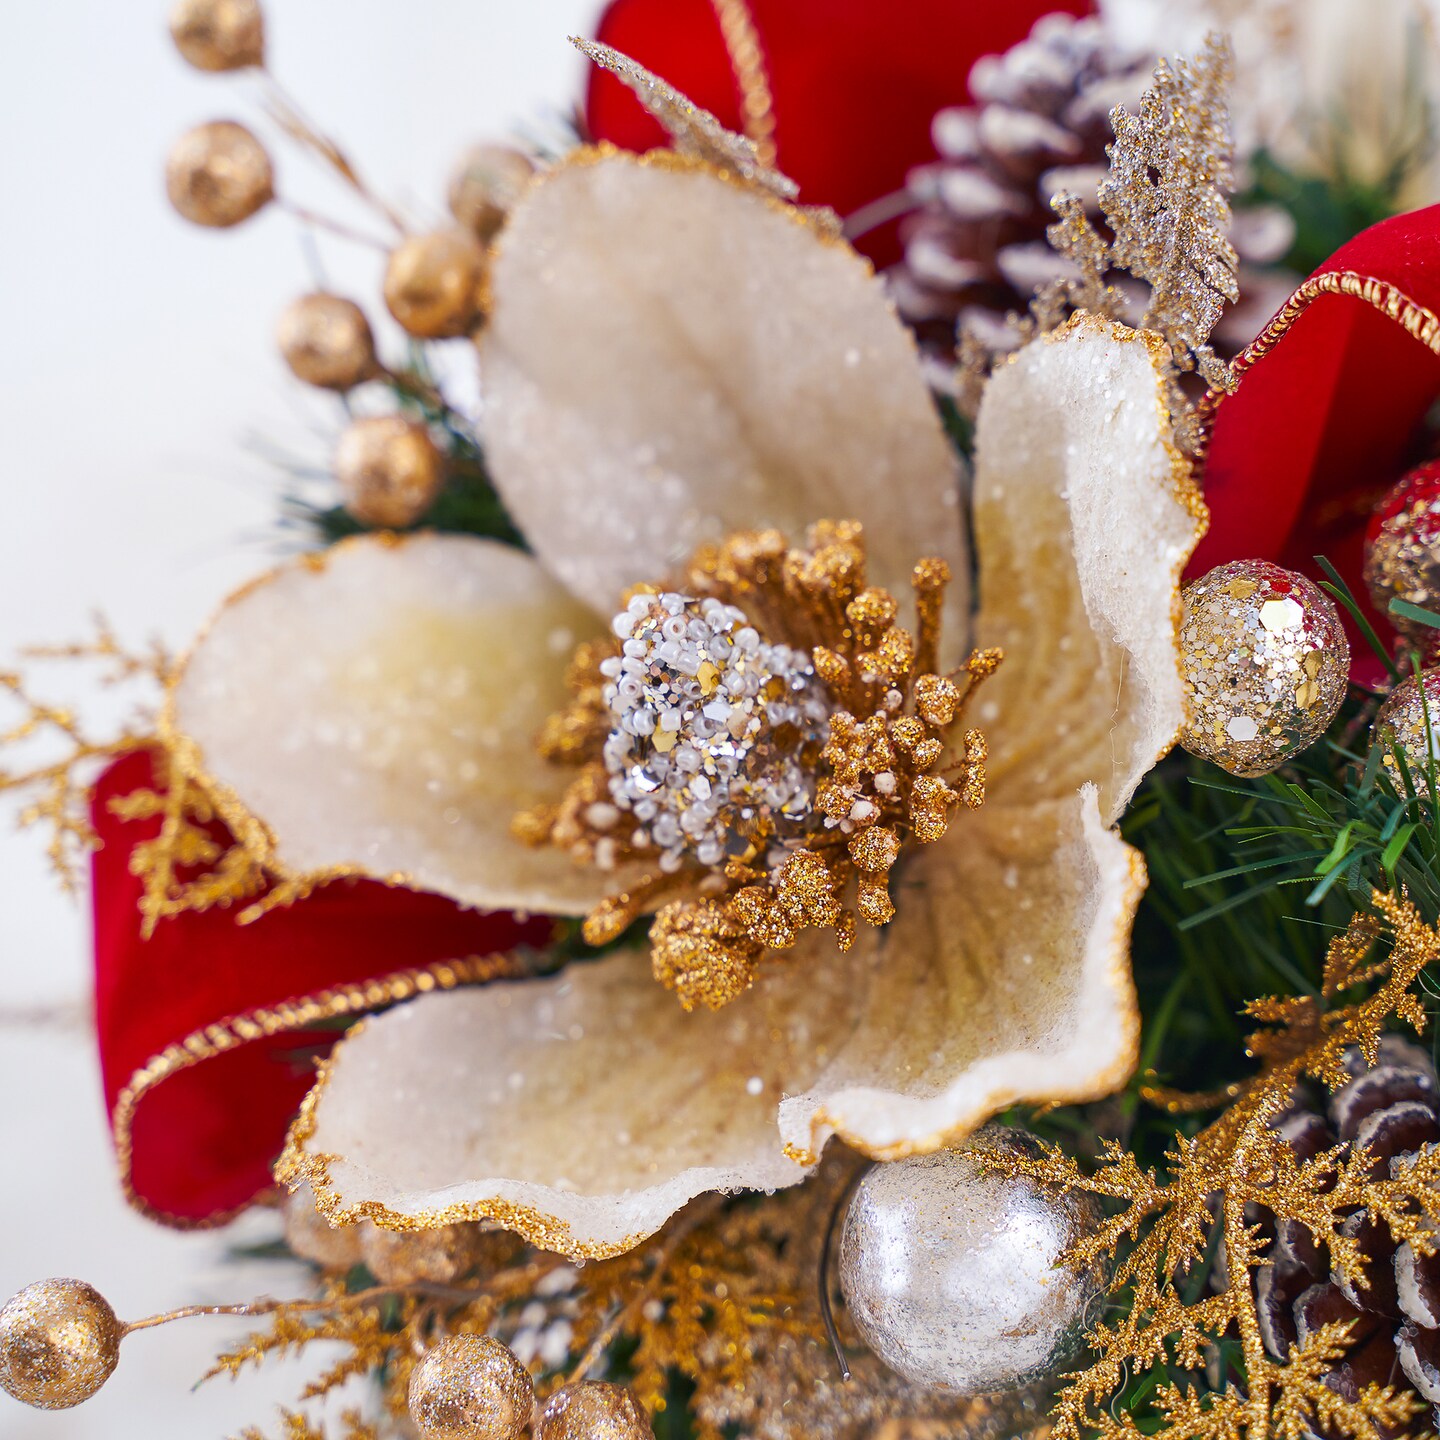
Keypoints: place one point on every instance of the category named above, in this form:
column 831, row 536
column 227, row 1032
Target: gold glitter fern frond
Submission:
column 1164, row 1226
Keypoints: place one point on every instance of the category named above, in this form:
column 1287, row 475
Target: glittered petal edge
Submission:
column 580, row 1110
column 371, row 710
column 1086, row 514
column 979, row 1002
column 673, row 355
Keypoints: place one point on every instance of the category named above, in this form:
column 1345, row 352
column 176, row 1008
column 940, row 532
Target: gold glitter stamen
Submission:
column 888, row 769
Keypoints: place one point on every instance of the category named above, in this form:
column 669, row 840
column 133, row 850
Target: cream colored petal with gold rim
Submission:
column 1084, row 518
column 1005, row 977
column 375, row 708
column 582, row 1110
column 673, row 355
column 585, row 1109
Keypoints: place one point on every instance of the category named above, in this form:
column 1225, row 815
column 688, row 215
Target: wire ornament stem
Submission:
column 287, row 114
column 306, row 216
column 827, row 1312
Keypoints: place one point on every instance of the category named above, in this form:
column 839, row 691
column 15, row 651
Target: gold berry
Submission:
column 326, row 341
column 389, row 470
column 313, row 1238
column 436, row 1257
column 59, row 1342
column 470, row 1387
column 219, row 174
column 434, row 284
column 219, row 35
column 594, row 1410
column 485, row 186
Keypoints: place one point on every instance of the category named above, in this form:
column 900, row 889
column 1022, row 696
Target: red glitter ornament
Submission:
column 1402, row 550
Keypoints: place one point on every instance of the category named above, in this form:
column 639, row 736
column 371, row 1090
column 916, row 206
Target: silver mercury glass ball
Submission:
column 952, row 1272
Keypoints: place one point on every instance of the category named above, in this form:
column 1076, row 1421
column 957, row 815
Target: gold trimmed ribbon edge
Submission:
column 286, row 1017
column 1418, row 320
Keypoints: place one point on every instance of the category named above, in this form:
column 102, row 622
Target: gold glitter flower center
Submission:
column 763, row 736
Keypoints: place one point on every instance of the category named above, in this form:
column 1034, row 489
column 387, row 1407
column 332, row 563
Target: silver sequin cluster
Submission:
column 710, row 721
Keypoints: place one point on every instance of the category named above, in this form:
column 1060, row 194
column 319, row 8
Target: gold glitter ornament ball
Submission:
column 1401, row 726
column 389, row 470
column 218, row 175
column 485, row 186
column 1265, row 663
column 1402, row 550
column 470, row 1387
column 59, row 1341
column 436, row 1257
column 326, row 341
column 594, row 1410
column 434, row 284
column 219, row 35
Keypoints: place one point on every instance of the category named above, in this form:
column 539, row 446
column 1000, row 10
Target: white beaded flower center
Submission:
column 710, row 722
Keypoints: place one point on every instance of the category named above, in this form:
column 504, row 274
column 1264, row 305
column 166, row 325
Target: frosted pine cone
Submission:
column 975, row 249
column 1392, row 1110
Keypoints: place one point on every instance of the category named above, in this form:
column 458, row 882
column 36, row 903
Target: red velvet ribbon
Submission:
column 855, row 84
column 1330, row 405
column 208, row 1030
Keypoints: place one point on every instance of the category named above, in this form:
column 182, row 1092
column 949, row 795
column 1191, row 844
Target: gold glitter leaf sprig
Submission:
column 1166, row 200
column 1241, row 1160
column 693, row 129
column 1166, row 203
column 295, row 1426
column 724, row 1299
column 193, row 863
column 57, row 785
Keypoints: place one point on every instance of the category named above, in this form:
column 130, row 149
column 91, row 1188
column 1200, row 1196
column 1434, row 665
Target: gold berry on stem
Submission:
column 470, row 1387
column 434, row 284
column 593, row 1410
column 59, row 1342
column 435, row 1257
column 219, row 174
column 1402, row 550
column 219, row 35
column 389, row 470
column 326, row 341
column 1264, row 662
column 312, row 1237
column 485, row 186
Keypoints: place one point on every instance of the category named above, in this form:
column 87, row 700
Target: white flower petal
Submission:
column 374, row 709
column 1005, row 977
column 672, row 355
column 582, row 1110
column 1084, row 516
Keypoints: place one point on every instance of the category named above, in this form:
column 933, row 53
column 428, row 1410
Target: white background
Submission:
column 136, row 361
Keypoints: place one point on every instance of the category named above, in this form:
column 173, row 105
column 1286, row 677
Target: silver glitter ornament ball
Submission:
column 1265, row 663
column 952, row 1272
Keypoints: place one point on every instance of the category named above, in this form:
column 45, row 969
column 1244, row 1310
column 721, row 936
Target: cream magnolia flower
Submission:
column 674, row 355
